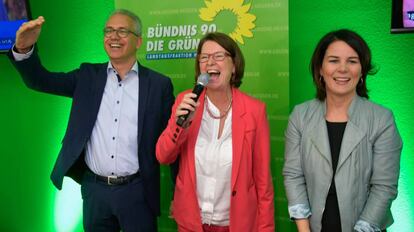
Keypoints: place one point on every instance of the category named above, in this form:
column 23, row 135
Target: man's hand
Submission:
column 28, row 34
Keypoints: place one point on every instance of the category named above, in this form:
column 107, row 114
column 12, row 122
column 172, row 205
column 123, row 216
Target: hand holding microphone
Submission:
column 189, row 102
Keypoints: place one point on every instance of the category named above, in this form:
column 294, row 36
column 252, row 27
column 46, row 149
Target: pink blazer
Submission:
column 251, row 205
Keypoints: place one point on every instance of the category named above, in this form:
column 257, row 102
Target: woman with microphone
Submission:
column 224, row 181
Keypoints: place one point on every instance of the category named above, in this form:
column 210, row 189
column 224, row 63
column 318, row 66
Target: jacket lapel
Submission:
column 319, row 138
column 238, row 131
column 144, row 86
column 352, row 135
column 97, row 89
column 193, row 134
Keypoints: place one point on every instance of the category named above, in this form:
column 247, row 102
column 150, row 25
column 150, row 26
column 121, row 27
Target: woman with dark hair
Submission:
column 342, row 154
column 224, row 181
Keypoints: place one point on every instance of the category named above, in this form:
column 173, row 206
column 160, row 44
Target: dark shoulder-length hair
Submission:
column 232, row 48
column 357, row 43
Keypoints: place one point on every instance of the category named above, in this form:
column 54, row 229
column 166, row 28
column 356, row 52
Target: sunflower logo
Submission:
column 244, row 19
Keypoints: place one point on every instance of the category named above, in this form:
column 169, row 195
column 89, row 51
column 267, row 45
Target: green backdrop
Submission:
column 33, row 124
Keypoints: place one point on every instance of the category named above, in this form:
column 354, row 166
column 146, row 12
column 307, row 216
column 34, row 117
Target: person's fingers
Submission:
column 32, row 24
column 40, row 20
column 183, row 109
column 189, row 99
column 187, row 105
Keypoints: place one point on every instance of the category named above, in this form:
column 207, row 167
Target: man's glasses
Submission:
column 122, row 32
column 217, row 56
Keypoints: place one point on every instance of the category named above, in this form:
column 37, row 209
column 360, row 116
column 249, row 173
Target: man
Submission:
column 118, row 111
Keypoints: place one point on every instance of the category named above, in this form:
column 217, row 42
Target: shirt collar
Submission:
column 110, row 68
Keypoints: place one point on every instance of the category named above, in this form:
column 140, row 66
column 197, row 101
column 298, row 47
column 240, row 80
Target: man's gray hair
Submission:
column 133, row 16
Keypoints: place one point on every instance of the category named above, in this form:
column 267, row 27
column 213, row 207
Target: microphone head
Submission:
column 203, row 79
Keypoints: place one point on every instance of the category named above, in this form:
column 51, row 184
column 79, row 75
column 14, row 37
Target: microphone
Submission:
column 202, row 81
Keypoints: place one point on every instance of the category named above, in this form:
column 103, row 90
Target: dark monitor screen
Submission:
column 402, row 19
column 12, row 14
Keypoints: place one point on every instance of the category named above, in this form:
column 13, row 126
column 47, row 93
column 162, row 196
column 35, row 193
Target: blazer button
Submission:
column 233, row 193
column 177, row 130
column 175, row 135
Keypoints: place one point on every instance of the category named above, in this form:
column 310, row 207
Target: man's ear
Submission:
column 139, row 42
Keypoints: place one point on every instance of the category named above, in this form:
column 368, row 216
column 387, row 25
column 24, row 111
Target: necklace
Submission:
column 221, row 115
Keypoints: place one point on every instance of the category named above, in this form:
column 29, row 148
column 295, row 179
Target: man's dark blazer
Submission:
column 86, row 86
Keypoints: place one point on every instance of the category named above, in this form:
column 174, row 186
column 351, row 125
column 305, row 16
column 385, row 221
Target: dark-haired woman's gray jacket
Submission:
column 368, row 167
